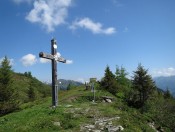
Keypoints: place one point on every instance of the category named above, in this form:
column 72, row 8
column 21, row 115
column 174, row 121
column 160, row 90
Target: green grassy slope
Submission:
column 22, row 83
column 75, row 112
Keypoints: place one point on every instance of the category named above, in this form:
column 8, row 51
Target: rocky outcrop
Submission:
column 102, row 125
column 107, row 99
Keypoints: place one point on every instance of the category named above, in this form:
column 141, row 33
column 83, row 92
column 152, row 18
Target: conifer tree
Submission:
column 123, row 83
column 108, row 82
column 167, row 94
column 8, row 96
column 69, row 86
column 143, row 85
column 6, row 90
column 120, row 76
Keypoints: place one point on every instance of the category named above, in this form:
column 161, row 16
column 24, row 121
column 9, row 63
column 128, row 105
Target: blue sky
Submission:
column 90, row 34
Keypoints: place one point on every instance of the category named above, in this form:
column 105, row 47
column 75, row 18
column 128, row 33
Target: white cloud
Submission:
column 11, row 61
column 43, row 60
column 69, row 61
column 28, row 60
column 80, row 80
column 164, row 72
column 49, row 13
column 94, row 27
column 58, row 54
column 22, row 1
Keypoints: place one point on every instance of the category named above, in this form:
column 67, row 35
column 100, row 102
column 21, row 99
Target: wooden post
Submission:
column 54, row 74
column 54, row 58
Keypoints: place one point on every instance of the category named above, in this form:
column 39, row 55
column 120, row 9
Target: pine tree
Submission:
column 121, row 78
column 120, row 75
column 6, row 90
column 28, row 74
column 8, row 96
column 108, row 82
column 123, row 83
column 69, row 86
column 143, row 85
column 167, row 94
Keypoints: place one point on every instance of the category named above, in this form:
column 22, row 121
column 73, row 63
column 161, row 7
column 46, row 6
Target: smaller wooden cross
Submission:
column 54, row 58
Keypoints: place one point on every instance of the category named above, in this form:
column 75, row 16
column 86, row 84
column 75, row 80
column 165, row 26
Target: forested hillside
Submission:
column 142, row 94
column 18, row 88
column 118, row 103
column 26, row 84
column 64, row 84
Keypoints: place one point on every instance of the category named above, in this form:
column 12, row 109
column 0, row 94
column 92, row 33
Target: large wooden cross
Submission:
column 54, row 58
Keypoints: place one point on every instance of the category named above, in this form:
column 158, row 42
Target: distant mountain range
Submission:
column 166, row 82
column 161, row 82
column 64, row 83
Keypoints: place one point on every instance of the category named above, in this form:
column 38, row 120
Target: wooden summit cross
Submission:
column 54, row 58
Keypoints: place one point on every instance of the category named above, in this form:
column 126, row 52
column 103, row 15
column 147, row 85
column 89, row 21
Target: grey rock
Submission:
column 96, row 130
column 111, row 128
column 90, row 126
column 108, row 100
column 68, row 106
column 57, row 124
column 101, row 125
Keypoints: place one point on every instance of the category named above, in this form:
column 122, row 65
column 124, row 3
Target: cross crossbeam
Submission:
column 54, row 58
column 46, row 56
column 51, row 57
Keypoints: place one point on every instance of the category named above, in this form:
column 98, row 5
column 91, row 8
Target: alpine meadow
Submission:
column 87, row 66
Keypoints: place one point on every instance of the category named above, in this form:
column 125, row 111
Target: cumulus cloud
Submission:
column 58, row 54
column 43, row 60
column 69, row 61
column 94, row 27
column 11, row 61
column 49, row 13
column 28, row 60
column 164, row 72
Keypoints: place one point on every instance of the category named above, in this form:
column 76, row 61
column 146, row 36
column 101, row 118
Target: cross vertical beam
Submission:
column 54, row 58
column 54, row 74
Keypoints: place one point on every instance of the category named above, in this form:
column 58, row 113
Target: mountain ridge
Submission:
column 64, row 83
column 165, row 83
